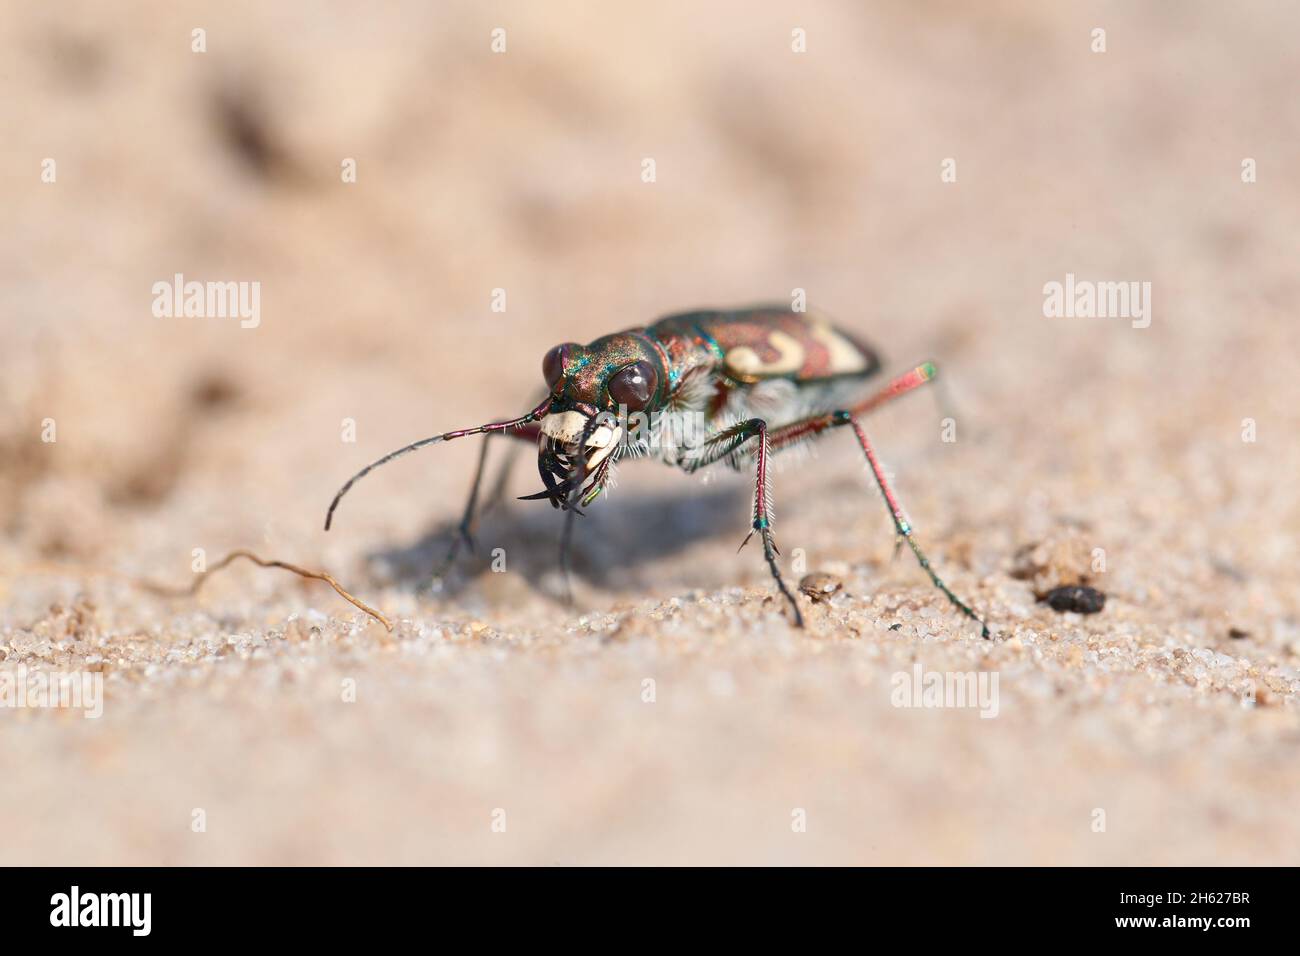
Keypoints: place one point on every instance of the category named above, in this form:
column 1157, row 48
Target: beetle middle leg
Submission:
column 728, row 443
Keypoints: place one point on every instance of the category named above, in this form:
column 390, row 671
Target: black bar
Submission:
column 931, row 906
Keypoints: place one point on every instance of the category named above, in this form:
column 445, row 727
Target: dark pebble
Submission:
column 1082, row 600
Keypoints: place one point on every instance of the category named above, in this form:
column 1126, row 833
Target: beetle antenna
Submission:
column 537, row 413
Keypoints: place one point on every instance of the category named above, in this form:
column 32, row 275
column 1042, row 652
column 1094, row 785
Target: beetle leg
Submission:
column 728, row 442
column 498, row 493
column 811, row 427
column 566, row 543
column 577, row 478
column 901, row 523
column 464, row 534
column 909, row 380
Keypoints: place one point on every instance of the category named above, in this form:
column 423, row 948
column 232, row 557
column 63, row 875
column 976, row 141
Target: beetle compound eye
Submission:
column 634, row 386
column 553, row 365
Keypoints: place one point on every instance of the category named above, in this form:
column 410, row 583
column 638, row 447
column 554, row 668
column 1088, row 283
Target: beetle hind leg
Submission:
column 901, row 524
column 815, row 425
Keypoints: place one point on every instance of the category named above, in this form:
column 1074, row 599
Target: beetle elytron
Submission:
column 760, row 379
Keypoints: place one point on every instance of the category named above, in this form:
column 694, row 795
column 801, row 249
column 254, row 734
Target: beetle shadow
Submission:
column 612, row 540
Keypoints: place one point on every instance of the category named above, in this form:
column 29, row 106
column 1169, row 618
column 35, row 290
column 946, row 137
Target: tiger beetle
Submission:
column 756, row 381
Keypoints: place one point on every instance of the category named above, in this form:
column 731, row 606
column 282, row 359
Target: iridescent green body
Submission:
column 750, row 381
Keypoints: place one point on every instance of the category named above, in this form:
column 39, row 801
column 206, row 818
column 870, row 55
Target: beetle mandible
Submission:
column 758, row 380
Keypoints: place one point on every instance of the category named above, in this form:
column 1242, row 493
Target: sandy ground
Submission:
column 673, row 716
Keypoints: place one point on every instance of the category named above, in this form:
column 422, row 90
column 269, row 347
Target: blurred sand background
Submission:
column 522, row 171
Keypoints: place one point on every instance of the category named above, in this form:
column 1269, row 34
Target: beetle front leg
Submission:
column 728, row 443
column 464, row 533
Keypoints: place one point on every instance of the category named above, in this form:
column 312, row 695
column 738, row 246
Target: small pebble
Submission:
column 819, row 585
column 1083, row 600
column 1237, row 634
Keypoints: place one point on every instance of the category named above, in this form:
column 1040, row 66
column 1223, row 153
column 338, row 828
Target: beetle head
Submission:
column 621, row 372
column 593, row 388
